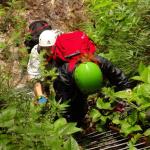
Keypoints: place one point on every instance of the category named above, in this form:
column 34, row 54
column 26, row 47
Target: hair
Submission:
column 88, row 57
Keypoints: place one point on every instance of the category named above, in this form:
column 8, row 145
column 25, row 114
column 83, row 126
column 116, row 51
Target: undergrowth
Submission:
column 121, row 31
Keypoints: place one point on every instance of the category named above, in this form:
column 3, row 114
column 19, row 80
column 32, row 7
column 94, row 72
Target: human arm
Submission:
column 33, row 70
column 113, row 74
column 38, row 89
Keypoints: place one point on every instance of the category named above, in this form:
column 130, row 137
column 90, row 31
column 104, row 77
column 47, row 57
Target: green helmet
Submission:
column 88, row 77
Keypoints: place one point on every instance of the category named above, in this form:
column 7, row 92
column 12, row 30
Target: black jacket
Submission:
column 66, row 89
column 65, row 86
column 115, row 76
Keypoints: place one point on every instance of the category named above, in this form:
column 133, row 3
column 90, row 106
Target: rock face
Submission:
column 61, row 14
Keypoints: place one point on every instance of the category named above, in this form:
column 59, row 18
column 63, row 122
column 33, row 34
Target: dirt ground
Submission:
column 60, row 14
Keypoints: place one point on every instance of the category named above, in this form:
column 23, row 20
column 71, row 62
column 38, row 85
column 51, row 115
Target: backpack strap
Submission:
column 73, row 54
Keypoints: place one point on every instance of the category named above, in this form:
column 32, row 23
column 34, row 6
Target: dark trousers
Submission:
column 77, row 101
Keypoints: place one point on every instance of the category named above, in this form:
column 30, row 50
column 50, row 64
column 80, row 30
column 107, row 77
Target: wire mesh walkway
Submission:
column 109, row 140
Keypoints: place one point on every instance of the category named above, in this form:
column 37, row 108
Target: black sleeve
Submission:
column 64, row 84
column 113, row 74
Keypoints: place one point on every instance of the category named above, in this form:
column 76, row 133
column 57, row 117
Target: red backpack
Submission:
column 69, row 47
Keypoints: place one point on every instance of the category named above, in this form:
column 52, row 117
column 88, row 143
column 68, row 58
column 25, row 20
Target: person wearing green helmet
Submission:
column 78, row 74
column 86, row 78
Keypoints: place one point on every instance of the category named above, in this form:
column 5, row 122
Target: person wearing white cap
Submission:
column 46, row 40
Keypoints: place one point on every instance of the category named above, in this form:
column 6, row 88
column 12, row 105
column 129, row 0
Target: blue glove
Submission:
column 42, row 100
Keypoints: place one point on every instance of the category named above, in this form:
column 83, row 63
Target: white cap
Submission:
column 48, row 38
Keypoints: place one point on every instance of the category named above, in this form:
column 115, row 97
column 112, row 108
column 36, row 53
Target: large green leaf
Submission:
column 132, row 118
column 116, row 119
column 67, row 129
column 71, row 144
column 138, row 78
column 142, row 116
column 147, row 132
column 59, row 123
column 144, row 90
column 144, row 106
column 95, row 115
column 126, row 128
column 146, row 75
column 123, row 94
column 54, row 143
column 103, row 105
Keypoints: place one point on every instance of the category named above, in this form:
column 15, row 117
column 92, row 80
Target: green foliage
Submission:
column 35, row 134
column 144, row 74
column 27, row 126
column 121, row 30
column 95, row 115
column 132, row 119
column 103, row 105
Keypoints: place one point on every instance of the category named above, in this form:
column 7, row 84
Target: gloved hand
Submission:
column 42, row 100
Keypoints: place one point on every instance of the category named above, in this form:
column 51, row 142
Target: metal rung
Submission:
column 105, row 136
column 94, row 135
column 97, row 133
column 107, row 148
column 145, row 148
column 139, row 144
column 107, row 140
column 115, row 146
column 115, row 142
column 125, row 148
column 90, row 134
